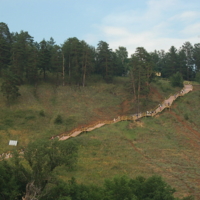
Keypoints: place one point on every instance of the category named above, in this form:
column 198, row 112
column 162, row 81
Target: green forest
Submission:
column 23, row 60
column 25, row 64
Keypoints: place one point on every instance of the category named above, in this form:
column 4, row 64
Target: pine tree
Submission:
column 122, row 55
column 87, row 60
column 44, row 58
column 171, row 62
column 188, row 49
column 22, row 43
column 140, row 73
column 71, row 55
column 56, row 61
column 182, row 59
column 104, row 61
column 196, row 56
column 32, row 65
column 5, row 46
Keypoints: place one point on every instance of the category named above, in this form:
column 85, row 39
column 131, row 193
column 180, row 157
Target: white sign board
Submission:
column 13, row 142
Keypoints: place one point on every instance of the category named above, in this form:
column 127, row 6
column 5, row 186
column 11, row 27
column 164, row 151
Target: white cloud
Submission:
column 192, row 30
column 185, row 17
column 123, row 18
column 159, row 25
column 115, row 31
column 189, row 15
column 161, row 5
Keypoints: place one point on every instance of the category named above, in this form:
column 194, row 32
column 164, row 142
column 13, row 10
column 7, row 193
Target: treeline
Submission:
column 31, row 176
column 22, row 60
column 72, row 62
column 75, row 60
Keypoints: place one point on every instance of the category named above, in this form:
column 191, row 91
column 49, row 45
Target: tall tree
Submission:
column 104, row 61
column 72, row 53
column 140, row 73
column 155, row 61
column 22, row 43
column 162, row 63
column 87, row 60
column 196, row 56
column 188, row 49
column 171, row 62
column 5, row 46
column 182, row 59
column 122, row 54
column 56, row 61
column 44, row 58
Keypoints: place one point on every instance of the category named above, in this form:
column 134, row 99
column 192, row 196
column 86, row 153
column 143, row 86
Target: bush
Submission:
column 197, row 78
column 58, row 120
column 176, row 80
column 30, row 117
column 41, row 113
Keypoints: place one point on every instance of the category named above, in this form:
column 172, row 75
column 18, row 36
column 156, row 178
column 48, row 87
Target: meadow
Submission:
column 167, row 144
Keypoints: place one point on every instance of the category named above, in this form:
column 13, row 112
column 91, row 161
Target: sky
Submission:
column 152, row 24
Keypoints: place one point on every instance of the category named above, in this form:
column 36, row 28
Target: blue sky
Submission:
column 152, row 24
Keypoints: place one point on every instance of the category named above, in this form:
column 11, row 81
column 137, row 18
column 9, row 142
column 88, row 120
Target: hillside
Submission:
column 167, row 145
column 32, row 116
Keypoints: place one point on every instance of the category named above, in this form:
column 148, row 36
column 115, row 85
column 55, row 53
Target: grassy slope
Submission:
column 78, row 106
column 168, row 145
column 22, row 121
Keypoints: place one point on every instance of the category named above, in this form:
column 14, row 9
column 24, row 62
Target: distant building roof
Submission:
column 13, row 142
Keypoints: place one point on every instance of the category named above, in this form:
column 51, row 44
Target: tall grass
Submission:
column 33, row 115
column 157, row 145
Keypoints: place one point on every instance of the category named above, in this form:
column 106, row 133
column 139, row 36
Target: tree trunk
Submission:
column 63, row 74
column 139, row 86
column 69, row 70
column 133, row 84
column 44, row 73
column 84, row 75
column 106, row 68
column 84, row 70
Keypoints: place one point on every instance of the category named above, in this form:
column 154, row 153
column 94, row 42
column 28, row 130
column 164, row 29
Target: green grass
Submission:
column 33, row 115
column 164, row 87
column 160, row 145
column 154, row 148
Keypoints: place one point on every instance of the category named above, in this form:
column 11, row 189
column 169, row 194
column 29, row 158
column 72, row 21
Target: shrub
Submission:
column 41, row 113
column 58, row 120
column 30, row 117
column 197, row 78
column 177, row 80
